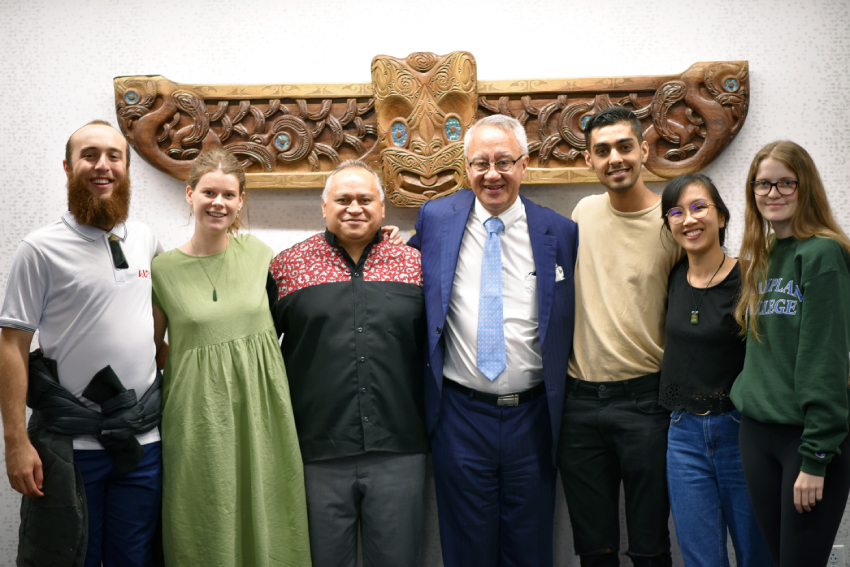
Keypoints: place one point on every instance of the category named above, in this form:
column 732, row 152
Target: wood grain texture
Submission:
column 408, row 123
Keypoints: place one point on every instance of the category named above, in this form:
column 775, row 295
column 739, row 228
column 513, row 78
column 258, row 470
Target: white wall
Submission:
column 58, row 59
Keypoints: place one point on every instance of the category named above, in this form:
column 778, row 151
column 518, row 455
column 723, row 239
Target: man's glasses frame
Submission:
column 503, row 165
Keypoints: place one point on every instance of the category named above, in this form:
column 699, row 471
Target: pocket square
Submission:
column 559, row 273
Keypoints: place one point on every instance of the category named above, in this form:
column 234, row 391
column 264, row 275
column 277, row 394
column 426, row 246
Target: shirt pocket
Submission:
column 530, row 303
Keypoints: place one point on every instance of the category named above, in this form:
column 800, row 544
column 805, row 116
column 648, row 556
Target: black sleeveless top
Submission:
column 701, row 361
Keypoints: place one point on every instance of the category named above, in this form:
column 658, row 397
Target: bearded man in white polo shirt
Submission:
column 84, row 283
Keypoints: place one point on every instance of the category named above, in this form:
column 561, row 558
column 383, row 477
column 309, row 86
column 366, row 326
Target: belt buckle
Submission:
column 509, row 400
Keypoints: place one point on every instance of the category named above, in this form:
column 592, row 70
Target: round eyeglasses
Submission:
column 503, row 165
column 697, row 209
column 762, row 187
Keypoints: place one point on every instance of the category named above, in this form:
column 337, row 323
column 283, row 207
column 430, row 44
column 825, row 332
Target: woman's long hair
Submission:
column 813, row 217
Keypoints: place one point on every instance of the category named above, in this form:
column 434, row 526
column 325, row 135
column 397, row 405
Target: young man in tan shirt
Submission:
column 613, row 429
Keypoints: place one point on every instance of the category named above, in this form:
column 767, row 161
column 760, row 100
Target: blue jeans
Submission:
column 123, row 509
column 708, row 491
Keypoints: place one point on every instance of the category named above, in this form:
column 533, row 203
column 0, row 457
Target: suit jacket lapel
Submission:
column 544, row 247
column 454, row 225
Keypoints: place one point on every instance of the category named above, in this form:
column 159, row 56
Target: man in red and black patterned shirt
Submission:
column 352, row 313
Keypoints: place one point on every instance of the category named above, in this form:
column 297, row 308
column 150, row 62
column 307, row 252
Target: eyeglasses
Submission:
column 697, row 209
column 762, row 187
column 502, row 165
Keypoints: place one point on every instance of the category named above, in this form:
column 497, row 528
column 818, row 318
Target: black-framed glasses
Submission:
column 503, row 165
column 697, row 209
column 762, row 187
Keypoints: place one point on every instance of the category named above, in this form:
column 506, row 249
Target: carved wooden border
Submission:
column 688, row 119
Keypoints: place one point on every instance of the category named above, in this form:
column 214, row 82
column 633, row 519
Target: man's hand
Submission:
column 23, row 466
column 393, row 232
column 808, row 491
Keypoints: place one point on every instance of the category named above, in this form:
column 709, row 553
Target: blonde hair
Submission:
column 221, row 160
column 812, row 217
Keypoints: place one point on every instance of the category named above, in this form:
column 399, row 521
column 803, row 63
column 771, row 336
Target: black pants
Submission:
column 613, row 432
column 771, row 466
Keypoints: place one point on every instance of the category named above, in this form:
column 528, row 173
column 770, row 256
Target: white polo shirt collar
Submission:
column 91, row 233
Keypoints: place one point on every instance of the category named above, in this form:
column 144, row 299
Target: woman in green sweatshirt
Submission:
column 793, row 391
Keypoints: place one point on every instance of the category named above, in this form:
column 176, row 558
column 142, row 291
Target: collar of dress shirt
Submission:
column 509, row 217
column 92, row 233
column 331, row 239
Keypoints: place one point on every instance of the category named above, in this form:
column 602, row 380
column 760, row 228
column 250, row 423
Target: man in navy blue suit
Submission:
column 499, row 295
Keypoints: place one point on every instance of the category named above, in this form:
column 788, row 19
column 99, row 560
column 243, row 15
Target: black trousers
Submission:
column 614, row 432
column 771, row 466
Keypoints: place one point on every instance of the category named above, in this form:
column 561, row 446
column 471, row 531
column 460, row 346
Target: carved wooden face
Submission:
column 424, row 104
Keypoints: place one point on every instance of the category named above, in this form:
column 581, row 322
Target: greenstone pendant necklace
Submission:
column 695, row 312
column 223, row 257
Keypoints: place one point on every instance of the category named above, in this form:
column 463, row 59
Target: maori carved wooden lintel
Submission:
column 408, row 123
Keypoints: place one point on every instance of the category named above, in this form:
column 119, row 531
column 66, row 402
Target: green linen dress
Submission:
column 233, row 481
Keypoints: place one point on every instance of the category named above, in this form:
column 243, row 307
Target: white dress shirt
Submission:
column 524, row 368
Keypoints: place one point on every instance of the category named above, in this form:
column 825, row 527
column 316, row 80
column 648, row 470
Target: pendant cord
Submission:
column 198, row 258
column 702, row 295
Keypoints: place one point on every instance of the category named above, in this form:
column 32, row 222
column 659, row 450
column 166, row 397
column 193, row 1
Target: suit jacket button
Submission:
column 439, row 330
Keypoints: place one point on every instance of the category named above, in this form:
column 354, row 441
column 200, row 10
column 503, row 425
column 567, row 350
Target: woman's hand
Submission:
column 393, row 232
column 808, row 491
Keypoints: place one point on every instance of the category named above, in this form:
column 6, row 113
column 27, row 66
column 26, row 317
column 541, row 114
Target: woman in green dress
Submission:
column 233, row 484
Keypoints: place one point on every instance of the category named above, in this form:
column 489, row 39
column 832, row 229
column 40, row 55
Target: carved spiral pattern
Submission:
column 301, row 138
column 687, row 120
column 265, row 137
column 255, row 153
column 380, row 77
column 423, row 61
column 145, row 96
column 669, row 94
column 404, row 82
column 428, row 101
column 192, row 105
column 570, row 125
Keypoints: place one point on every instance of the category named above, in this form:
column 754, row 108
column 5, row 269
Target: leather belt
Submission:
column 496, row 400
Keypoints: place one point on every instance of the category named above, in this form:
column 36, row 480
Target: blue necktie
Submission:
column 491, row 320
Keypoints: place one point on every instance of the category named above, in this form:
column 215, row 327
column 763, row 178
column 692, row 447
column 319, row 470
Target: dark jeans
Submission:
column 613, row 432
column 771, row 466
column 124, row 509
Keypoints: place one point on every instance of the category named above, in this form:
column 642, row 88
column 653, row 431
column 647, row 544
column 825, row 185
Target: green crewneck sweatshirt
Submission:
column 797, row 374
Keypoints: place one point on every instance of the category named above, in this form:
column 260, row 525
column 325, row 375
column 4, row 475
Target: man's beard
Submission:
column 102, row 213
column 622, row 186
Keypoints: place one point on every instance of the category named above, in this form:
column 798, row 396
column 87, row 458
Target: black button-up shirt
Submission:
column 353, row 338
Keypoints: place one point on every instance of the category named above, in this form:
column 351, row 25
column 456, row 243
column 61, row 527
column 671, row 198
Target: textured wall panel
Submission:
column 59, row 59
